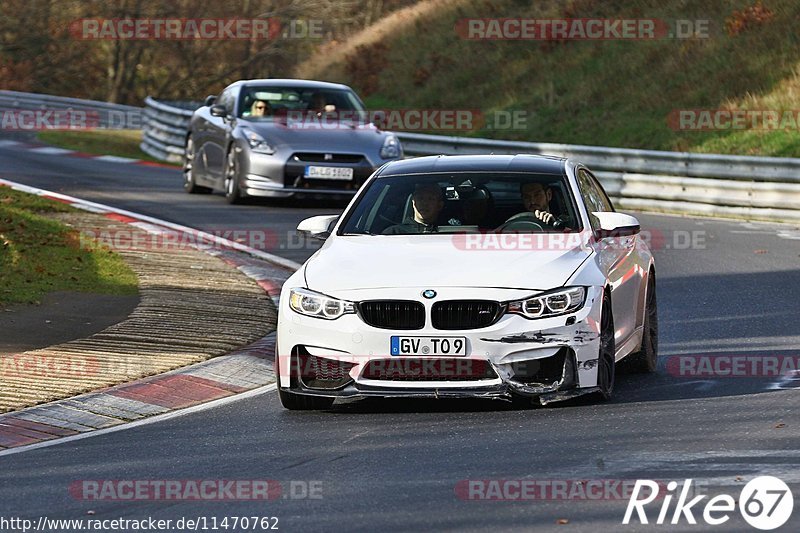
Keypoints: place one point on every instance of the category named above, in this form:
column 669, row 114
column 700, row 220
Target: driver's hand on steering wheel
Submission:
column 544, row 216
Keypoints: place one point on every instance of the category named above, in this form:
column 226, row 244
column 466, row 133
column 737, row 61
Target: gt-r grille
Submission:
column 331, row 158
column 393, row 314
column 430, row 369
column 465, row 314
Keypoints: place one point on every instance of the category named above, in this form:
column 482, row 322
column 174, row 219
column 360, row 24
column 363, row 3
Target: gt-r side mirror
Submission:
column 318, row 227
column 218, row 111
column 615, row 225
column 210, row 99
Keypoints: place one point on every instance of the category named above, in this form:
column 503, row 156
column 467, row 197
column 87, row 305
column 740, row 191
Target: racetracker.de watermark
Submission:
column 527, row 489
column 408, row 119
column 213, row 29
column 48, row 119
column 224, row 239
column 733, row 119
column 194, row 489
column 68, row 119
column 512, row 242
column 580, row 29
column 732, row 365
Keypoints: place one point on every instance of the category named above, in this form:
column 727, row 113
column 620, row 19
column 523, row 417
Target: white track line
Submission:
column 115, row 159
column 51, row 150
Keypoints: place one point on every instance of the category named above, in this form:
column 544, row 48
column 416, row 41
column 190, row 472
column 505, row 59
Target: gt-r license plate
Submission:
column 428, row 345
column 329, row 173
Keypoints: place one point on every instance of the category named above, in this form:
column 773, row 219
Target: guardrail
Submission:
column 164, row 129
column 102, row 114
column 762, row 188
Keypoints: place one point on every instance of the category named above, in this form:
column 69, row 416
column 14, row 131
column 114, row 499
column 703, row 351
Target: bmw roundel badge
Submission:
column 429, row 293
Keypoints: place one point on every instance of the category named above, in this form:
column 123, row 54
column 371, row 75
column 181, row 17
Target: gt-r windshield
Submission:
column 464, row 202
column 265, row 102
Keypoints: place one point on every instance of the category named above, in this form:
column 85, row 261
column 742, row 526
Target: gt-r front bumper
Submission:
column 550, row 358
column 281, row 175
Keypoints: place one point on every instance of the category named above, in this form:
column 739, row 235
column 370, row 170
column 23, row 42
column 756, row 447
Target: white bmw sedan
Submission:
column 506, row 277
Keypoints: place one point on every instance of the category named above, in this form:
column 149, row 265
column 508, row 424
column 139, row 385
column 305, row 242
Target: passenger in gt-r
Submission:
column 427, row 201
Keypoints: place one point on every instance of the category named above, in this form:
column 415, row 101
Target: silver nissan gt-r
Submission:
column 278, row 138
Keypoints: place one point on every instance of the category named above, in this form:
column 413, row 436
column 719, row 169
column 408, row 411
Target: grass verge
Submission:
column 39, row 255
column 121, row 143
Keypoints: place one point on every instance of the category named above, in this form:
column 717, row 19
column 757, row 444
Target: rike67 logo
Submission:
column 765, row 503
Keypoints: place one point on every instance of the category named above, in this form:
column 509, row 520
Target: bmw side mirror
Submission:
column 318, row 227
column 218, row 111
column 210, row 99
column 615, row 225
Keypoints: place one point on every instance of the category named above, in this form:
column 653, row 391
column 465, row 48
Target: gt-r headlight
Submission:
column 391, row 147
column 257, row 143
column 554, row 303
column 318, row 305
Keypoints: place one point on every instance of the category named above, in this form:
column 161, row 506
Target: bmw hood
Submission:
column 362, row 138
column 434, row 261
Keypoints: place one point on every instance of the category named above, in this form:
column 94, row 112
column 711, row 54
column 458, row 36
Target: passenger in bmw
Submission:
column 427, row 201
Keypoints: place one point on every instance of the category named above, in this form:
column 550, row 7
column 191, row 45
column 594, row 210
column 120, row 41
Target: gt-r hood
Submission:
column 343, row 137
column 431, row 261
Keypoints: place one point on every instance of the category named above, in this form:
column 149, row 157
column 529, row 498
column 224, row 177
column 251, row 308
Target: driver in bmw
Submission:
column 536, row 198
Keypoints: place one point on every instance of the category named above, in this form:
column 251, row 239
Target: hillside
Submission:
column 598, row 92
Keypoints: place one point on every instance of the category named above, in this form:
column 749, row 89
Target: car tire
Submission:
column 299, row 402
column 189, row 184
column 233, row 193
column 606, row 365
column 645, row 361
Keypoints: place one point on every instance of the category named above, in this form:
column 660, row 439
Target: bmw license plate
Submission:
column 428, row 345
column 329, row 173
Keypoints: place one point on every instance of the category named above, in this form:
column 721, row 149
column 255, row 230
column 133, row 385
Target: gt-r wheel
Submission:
column 606, row 367
column 646, row 359
column 189, row 184
column 232, row 171
column 299, row 402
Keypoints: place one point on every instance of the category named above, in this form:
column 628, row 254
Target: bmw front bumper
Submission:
column 550, row 358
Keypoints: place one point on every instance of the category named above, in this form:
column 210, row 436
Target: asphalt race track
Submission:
column 725, row 287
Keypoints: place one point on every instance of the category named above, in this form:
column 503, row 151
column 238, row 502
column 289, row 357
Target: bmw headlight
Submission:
column 558, row 302
column 258, row 143
column 391, row 148
column 318, row 305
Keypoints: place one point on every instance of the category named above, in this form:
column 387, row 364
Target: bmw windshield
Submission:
column 464, row 202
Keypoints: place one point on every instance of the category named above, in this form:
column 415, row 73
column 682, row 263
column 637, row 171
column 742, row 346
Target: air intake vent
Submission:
column 431, row 369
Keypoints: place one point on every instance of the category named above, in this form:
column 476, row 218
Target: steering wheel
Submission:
column 521, row 222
